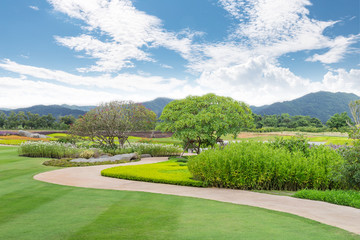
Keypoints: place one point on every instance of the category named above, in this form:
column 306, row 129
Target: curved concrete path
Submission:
column 89, row 177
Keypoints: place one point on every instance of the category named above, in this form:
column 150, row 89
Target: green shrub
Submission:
column 164, row 172
column 87, row 154
column 351, row 168
column 48, row 149
column 66, row 163
column 67, row 139
column 155, row 150
column 347, row 198
column 292, row 144
column 257, row 165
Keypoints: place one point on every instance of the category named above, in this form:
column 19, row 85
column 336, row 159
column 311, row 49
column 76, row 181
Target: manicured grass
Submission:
column 58, row 135
column 168, row 140
column 313, row 137
column 171, row 172
column 341, row 197
column 332, row 140
column 30, row 209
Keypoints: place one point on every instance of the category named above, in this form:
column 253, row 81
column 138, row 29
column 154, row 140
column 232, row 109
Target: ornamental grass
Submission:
column 48, row 149
column 257, row 165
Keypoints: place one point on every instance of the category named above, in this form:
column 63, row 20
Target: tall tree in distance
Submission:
column 112, row 120
column 355, row 112
column 338, row 121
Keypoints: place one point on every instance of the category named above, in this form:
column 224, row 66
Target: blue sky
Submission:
column 85, row 52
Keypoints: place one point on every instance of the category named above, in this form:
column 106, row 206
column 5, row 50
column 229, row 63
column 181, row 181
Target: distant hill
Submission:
column 55, row 110
column 157, row 105
column 81, row 108
column 321, row 105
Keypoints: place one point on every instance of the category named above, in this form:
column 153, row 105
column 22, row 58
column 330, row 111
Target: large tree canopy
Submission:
column 201, row 121
column 112, row 120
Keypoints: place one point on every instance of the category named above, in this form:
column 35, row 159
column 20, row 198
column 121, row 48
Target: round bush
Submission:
column 256, row 165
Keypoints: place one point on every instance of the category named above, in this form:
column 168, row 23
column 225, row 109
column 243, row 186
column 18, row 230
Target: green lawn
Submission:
column 31, row 209
column 332, row 140
column 171, row 172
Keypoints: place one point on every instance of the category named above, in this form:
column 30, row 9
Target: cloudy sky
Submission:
column 85, row 52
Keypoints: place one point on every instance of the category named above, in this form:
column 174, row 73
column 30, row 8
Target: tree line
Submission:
column 335, row 122
column 28, row 120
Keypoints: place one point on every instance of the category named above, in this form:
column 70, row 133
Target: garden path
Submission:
column 347, row 218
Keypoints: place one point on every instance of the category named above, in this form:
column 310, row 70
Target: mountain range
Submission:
column 321, row 105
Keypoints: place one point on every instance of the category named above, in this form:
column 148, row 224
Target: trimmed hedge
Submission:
column 257, row 165
column 347, row 198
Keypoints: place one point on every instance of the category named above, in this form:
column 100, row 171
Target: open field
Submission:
column 336, row 138
column 37, row 210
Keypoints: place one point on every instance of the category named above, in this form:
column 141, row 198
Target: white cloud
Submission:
column 134, row 87
column 277, row 27
column 24, row 92
column 34, row 8
column 166, row 66
column 112, row 56
column 260, row 81
column 21, row 92
column 129, row 32
column 342, row 80
column 339, row 48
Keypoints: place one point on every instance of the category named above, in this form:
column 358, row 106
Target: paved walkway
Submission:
column 339, row 216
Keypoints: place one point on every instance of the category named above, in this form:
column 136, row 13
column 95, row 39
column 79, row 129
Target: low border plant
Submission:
column 341, row 197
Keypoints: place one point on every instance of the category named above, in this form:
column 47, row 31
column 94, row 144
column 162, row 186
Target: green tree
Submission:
column 112, row 120
column 285, row 120
column 67, row 119
column 47, row 121
column 338, row 121
column 12, row 121
column 270, row 120
column 21, row 118
column 355, row 112
column 33, row 121
column 3, row 119
column 315, row 122
column 257, row 120
column 303, row 121
column 201, row 121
